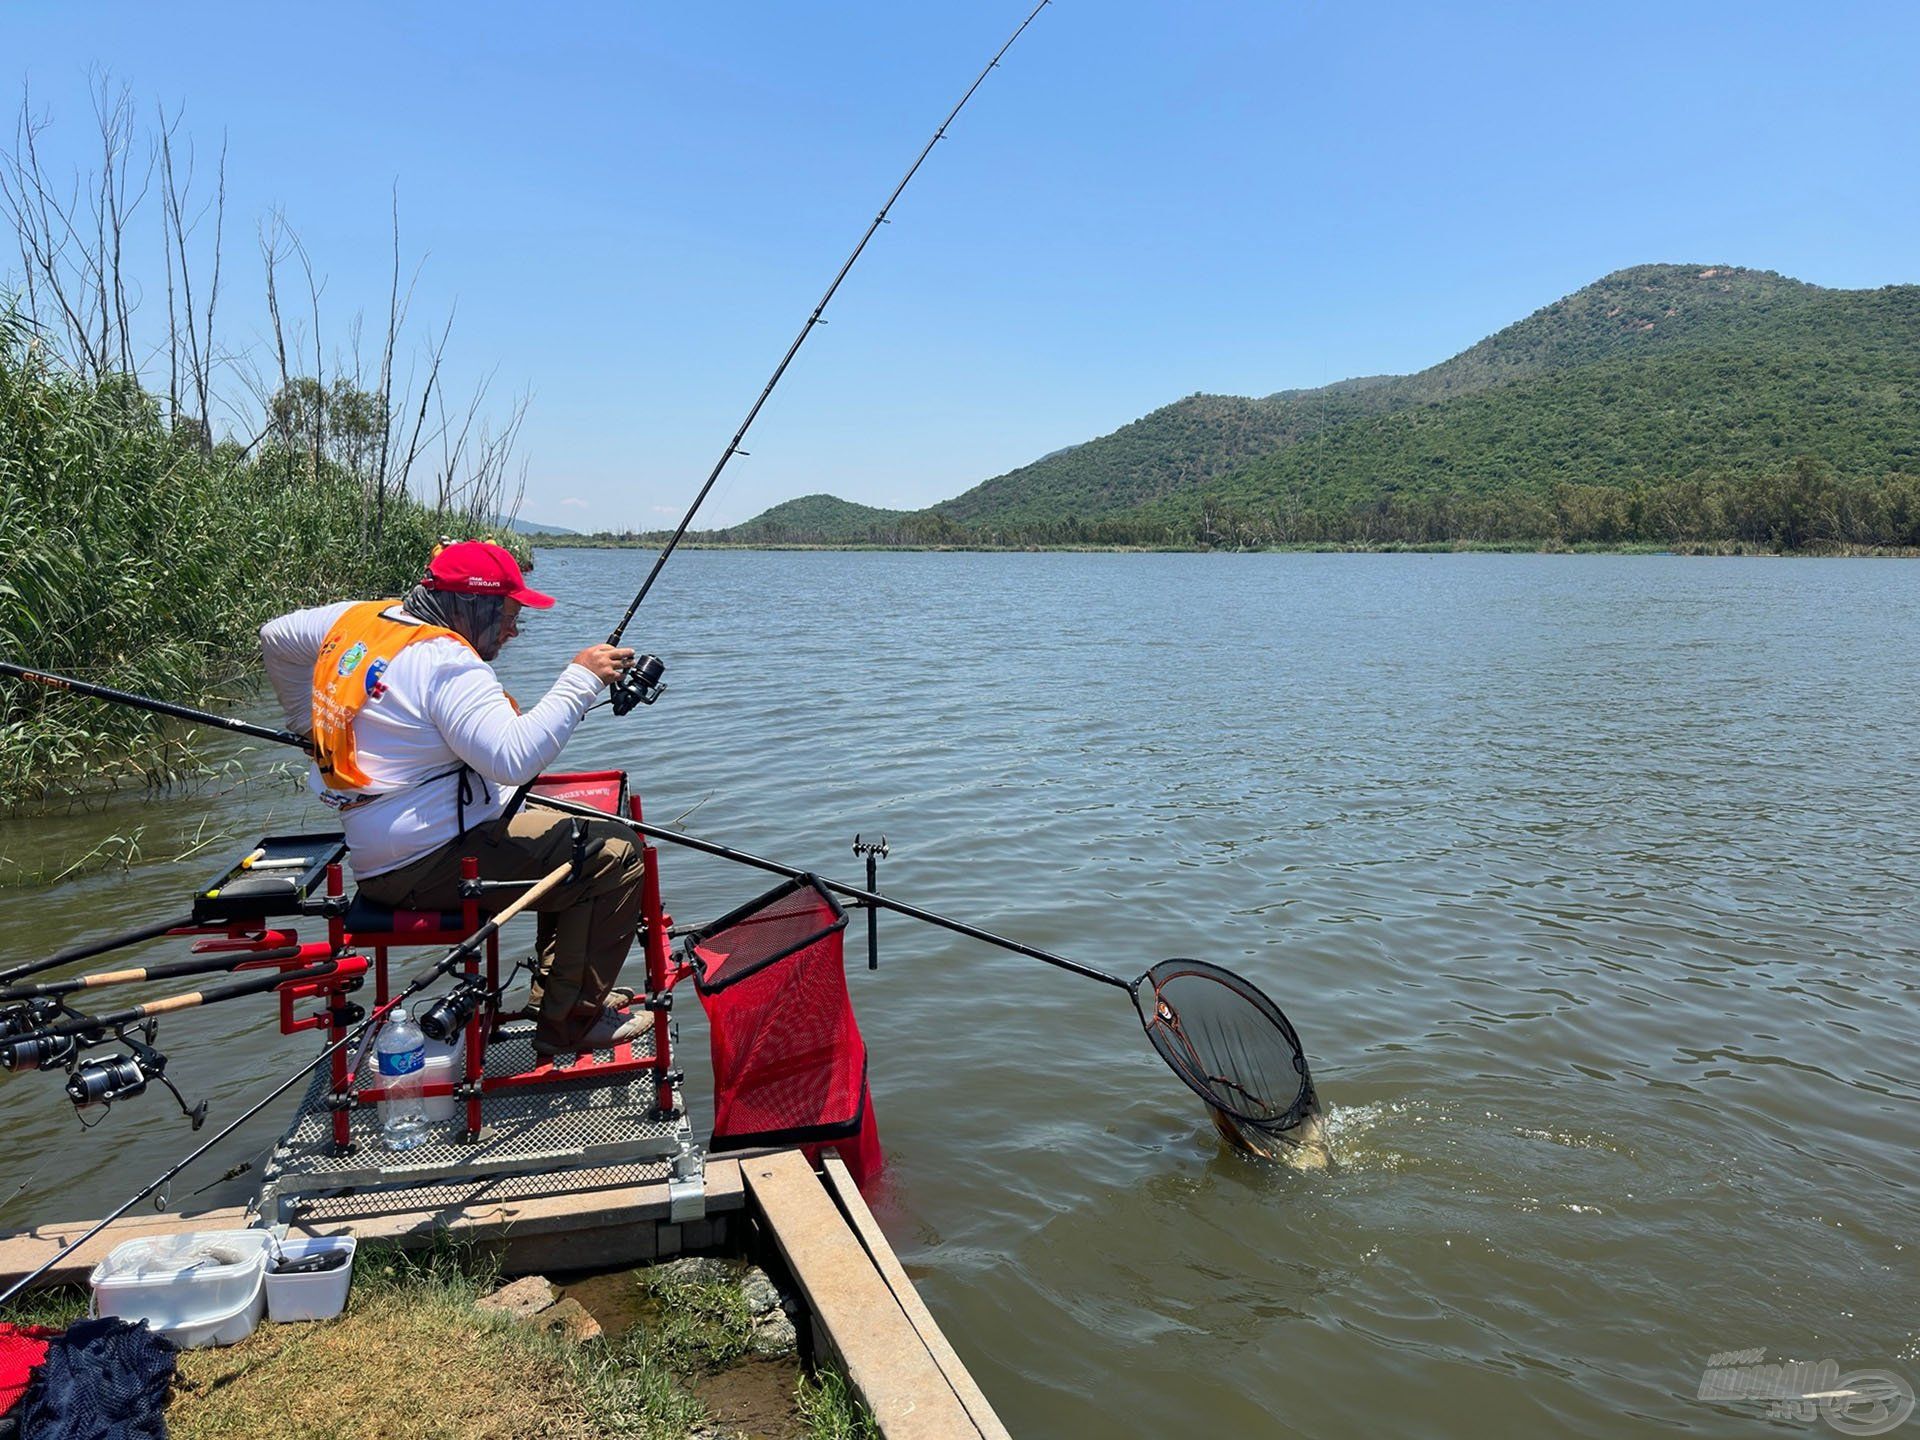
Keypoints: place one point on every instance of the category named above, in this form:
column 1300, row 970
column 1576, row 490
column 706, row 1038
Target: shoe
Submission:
column 618, row 998
column 612, row 1028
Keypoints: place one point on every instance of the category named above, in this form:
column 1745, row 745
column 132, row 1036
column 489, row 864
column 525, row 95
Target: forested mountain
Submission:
column 1661, row 403
column 810, row 520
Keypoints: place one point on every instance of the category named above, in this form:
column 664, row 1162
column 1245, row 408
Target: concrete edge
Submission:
column 857, row 1318
column 623, row 1225
column 847, row 1195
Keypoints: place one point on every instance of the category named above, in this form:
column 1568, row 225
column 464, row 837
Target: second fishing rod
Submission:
column 535, row 892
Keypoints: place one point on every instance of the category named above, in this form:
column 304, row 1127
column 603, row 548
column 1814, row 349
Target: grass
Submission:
column 831, row 1411
column 412, row 1359
column 707, row 1322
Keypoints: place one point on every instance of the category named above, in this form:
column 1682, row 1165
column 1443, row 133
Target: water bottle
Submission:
column 403, row 1056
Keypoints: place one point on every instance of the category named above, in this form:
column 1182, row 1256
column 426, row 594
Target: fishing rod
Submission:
column 159, row 707
column 640, row 684
column 534, row 893
column 626, row 694
column 87, row 949
column 144, row 974
column 190, row 1000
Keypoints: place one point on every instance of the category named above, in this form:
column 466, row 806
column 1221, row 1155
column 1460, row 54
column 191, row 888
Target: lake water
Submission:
column 1588, row 882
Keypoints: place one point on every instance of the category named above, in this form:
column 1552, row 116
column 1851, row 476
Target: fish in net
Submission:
column 1237, row 1051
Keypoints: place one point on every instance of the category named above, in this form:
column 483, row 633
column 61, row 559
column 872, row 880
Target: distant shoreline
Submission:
column 1727, row 549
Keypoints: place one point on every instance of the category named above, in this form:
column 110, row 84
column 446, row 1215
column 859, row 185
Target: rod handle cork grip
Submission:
column 174, row 1002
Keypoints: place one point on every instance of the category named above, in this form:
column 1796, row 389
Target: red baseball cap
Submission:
column 475, row 567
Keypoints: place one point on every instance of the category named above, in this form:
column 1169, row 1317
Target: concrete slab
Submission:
column 580, row 1230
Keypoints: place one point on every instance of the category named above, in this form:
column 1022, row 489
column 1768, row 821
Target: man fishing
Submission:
column 416, row 744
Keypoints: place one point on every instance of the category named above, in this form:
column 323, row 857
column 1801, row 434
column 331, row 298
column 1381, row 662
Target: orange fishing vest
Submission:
column 346, row 674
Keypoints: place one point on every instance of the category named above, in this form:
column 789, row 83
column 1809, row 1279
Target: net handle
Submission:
column 851, row 892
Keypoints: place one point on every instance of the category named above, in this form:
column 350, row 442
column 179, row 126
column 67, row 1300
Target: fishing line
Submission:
column 813, row 319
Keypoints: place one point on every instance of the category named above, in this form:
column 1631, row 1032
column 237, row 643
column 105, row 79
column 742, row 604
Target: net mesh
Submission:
column 787, row 919
column 789, row 1064
column 1228, row 1041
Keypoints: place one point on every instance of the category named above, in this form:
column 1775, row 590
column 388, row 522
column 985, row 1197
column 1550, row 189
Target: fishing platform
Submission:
column 498, row 1111
column 589, row 1161
column 584, row 1161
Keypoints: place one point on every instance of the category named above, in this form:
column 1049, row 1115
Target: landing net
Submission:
column 1227, row 1041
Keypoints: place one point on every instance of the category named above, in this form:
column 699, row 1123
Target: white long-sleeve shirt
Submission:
column 441, row 706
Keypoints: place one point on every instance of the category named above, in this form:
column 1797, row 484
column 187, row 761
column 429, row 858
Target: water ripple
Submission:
column 1583, row 878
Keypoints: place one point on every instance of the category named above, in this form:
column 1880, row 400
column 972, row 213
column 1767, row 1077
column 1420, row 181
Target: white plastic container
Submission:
column 205, row 1287
column 320, row 1296
column 446, row 1065
column 219, row 1329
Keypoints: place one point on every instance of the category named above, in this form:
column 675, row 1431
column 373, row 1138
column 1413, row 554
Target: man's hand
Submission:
column 605, row 661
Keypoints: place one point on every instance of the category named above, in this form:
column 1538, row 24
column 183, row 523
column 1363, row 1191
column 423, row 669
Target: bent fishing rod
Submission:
column 624, row 700
column 533, row 894
column 9, row 978
column 673, row 837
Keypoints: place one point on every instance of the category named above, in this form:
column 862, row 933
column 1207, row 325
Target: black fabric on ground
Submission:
column 102, row 1380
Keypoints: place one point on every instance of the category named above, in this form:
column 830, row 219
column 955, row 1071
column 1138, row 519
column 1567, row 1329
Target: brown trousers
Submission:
column 585, row 928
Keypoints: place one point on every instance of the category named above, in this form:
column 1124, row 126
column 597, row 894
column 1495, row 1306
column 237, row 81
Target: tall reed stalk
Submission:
column 132, row 554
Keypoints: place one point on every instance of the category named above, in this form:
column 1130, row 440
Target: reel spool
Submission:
column 447, row 1017
column 639, row 685
column 101, row 1082
column 38, row 1052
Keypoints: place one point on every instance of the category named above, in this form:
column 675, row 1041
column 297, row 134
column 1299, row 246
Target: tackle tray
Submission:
column 276, row 877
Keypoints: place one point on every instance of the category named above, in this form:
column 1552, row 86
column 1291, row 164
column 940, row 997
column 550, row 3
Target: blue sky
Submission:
column 634, row 206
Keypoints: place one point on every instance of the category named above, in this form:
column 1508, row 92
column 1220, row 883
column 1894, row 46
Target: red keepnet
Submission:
column 789, row 1066
column 602, row 789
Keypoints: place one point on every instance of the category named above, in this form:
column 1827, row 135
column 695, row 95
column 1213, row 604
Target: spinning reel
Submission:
column 22, row 1046
column 444, row 1020
column 639, row 684
column 28, row 1043
column 98, row 1083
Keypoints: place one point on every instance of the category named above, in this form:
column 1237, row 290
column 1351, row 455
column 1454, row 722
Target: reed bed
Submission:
column 134, row 555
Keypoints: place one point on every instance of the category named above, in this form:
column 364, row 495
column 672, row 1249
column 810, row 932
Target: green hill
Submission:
column 1839, row 381
column 1663, row 403
column 1183, row 447
column 811, row 520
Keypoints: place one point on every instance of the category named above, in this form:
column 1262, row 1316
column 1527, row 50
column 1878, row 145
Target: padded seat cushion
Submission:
column 370, row 918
